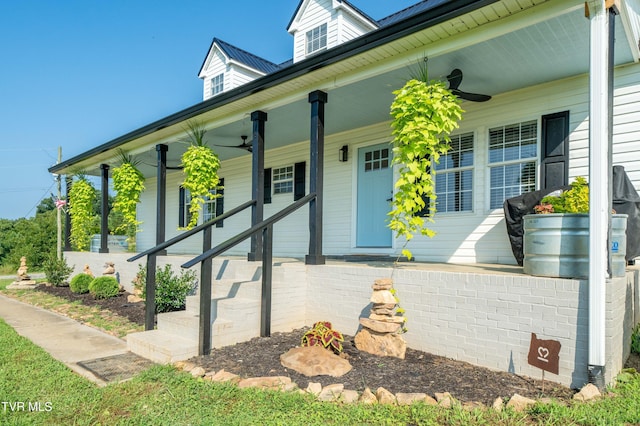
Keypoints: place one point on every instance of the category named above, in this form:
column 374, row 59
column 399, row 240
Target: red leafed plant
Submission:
column 322, row 334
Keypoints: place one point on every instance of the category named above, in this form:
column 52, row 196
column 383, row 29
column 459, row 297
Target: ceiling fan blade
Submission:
column 455, row 78
column 246, row 147
column 473, row 97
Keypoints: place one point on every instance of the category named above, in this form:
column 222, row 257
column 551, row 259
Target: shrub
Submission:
column 80, row 283
column 171, row 289
column 104, row 287
column 323, row 335
column 635, row 340
column 57, row 271
column 574, row 200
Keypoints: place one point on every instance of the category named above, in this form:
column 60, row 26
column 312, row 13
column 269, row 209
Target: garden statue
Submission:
column 22, row 270
column 109, row 268
column 87, row 270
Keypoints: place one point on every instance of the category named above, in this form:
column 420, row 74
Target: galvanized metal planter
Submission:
column 557, row 245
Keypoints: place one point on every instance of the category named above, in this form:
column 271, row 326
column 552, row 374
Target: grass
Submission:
column 164, row 396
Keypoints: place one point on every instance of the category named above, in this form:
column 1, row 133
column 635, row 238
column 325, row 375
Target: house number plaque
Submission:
column 544, row 354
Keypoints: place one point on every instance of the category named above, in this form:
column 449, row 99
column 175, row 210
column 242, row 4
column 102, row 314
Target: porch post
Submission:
column 257, row 181
column 161, row 196
column 600, row 140
column 316, row 147
column 104, row 217
column 67, row 217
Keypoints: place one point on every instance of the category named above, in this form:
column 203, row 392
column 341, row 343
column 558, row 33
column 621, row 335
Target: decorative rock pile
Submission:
column 380, row 333
column 337, row 393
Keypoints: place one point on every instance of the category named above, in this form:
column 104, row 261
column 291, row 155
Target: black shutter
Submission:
column 220, row 202
column 267, row 186
column 298, row 181
column 555, row 150
column 181, row 201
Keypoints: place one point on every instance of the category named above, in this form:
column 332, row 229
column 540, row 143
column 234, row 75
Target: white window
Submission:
column 217, row 84
column 513, row 150
column 283, row 180
column 454, row 176
column 317, row 39
column 209, row 207
column 185, row 210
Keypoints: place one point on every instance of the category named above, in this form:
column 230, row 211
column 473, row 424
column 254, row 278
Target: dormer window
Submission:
column 217, row 84
column 317, row 39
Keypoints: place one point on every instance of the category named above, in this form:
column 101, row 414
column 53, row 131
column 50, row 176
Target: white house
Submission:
column 532, row 57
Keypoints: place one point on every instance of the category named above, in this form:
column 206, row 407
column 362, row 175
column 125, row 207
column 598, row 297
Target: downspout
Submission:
column 600, row 153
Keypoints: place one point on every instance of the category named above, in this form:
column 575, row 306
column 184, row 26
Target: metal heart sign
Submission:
column 544, row 354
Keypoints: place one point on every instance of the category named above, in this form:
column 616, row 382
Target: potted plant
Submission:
column 556, row 238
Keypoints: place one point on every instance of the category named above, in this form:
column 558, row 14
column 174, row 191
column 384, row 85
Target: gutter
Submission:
column 412, row 24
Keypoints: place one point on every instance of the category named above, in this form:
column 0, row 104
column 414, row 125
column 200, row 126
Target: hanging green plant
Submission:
column 128, row 182
column 82, row 199
column 201, row 166
column 424, row 113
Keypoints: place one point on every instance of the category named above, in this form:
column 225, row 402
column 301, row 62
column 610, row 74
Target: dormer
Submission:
column 318, row 25
column 227, row 67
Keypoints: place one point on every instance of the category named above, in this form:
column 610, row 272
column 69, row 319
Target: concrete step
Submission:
column 186, row 324
column 227, row 289
column 162, row 347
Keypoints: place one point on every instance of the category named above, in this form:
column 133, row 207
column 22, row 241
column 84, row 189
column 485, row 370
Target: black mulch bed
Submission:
column 418, row 372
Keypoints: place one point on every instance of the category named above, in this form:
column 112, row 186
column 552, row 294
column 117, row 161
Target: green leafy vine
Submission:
column 128, row 182
column 424, row 114
column 82, row 198
column 201, row 166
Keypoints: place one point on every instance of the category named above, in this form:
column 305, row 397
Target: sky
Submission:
column 75, row 74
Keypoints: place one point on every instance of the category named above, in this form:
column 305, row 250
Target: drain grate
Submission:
column 116, row 368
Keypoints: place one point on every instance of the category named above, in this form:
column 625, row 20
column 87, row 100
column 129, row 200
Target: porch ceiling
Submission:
column 524, row 55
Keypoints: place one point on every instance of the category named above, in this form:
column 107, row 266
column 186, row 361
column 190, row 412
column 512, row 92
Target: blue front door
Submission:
column 375, row 189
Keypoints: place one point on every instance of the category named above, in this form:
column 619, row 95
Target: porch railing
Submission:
column 205, row 259
column 152, row 253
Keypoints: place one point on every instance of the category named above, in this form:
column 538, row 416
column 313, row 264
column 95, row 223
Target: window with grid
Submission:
column 209, row 207
column 317, row 39
column 283, row 180
column 217, row 84
column 454, row 176
column 186, row 211
column 513, row 151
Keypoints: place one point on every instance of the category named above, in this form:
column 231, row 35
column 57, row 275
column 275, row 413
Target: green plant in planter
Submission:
column 82, row 199
column 80, row 283
column 574, row 200
column 322, row 334
column 104, row 287
column 128, row 182
column 424, row 113
column 201, row 166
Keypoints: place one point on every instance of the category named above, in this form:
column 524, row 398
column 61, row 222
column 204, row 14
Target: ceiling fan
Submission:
column 455, row 78
column 244, row 145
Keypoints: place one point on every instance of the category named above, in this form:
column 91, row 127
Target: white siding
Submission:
column 349, row 28
column 470, row 237
column 314, row 14
column 239, row 76
column 217, row 65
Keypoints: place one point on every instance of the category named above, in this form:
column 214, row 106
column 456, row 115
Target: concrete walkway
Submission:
column 65, row 339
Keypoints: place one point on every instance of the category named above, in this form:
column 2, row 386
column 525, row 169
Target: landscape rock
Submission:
column 314, row 388
column 380, row 344
column 223, row 376
column 368, row 397
column 315, row 361
column 387, row 318
column 519, row 402
column 409, row 398
column 383, row 297
column 382, row 284
column 349, row 396
column 498, row 404
column 197, row 372
column 444, row 399
column 385, row 397
column 132, row 298
column 275, row 382
column 380, row 326
column 331, row 392
column 587, row 393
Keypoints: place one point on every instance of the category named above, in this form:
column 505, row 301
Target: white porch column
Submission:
column 600, row 119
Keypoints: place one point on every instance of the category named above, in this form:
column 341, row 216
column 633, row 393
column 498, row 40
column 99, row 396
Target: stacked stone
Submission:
column 380, row 333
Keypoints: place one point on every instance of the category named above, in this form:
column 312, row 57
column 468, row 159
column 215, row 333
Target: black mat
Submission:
column 116, row 368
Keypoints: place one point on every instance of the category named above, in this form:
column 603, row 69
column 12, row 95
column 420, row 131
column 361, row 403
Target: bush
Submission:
column 171, row 289
column 80, row 283
column 104, row 287
column 57, row 271
column 635, row 340
column 323, row 335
